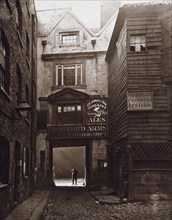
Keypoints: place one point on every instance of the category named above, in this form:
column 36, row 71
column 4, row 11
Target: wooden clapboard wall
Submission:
column 118, row 90
column 144, row 73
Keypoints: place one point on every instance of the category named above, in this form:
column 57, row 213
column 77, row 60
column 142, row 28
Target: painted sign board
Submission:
column 97, row 111
column 139, row 101
column 77, row 131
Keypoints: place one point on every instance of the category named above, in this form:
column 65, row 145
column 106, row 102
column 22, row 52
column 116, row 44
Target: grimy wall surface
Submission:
column 18, row 25
column 140, row 100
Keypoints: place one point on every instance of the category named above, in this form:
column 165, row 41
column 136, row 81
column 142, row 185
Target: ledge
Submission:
column 70, row 55
column 3, row 185
column 73, row 87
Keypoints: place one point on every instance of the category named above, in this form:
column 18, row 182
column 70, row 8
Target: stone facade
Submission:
column 88, row 51
column 18, row 25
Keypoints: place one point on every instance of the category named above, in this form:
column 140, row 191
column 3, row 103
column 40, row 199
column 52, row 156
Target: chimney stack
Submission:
column 108, row 9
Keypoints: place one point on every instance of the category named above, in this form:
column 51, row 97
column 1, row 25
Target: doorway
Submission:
column 64, row 160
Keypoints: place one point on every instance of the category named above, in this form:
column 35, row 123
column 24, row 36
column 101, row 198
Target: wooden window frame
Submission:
column 60, row 74
column 137, row 43
column 61, row 110
column 69, row 38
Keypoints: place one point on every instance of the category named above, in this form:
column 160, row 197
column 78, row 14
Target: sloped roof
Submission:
column 139, row 9
column 48, row 20
column 67, row 94
column 151, row 151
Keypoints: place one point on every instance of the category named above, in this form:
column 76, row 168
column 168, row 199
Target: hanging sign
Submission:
column 97, row 111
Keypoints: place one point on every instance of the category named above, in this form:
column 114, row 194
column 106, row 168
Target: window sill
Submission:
column 74, row 87
column 69, row 45
column 138, row 52
column 5, row 93
column 3, row 185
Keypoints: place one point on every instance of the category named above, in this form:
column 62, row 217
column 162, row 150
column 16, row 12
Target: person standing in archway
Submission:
column 74, row 176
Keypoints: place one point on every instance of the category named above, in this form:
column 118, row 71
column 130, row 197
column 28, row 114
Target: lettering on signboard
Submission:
column 139, row 101
column 97, row 111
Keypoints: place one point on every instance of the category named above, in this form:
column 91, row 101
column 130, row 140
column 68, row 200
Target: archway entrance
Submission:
column 66, row 158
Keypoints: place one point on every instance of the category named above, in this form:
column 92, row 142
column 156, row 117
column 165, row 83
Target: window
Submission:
column 4, row 62
column 69, row 38
column 27, row 99
column 42, row 161
column 19, row 85
column 27, row 47
column 69, row 75
column 27, row 94
column 137, row 43
column 102, row 165
column 25, row 162
column 19, row 17
column 69, row 114
column 4, row 160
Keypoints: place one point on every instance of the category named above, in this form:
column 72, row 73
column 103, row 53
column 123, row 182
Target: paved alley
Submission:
column 67, row 203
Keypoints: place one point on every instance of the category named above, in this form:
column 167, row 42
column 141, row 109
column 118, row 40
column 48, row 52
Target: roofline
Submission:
column 68, row 12
column 122, row 14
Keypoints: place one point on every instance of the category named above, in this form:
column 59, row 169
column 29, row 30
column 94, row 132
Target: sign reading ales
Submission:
column 97, row 111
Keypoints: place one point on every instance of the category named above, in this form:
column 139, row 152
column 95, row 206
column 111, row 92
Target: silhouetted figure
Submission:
column 74, row 176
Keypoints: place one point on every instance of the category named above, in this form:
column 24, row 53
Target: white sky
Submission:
column 88, row 11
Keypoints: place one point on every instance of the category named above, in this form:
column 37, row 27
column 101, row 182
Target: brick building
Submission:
column 72, row 93
column 18, row 25
column 140, row 110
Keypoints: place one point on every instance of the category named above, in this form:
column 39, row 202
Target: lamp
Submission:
column 23, row 108
column 93, row 42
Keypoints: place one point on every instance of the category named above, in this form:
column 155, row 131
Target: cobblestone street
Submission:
column 77, row 203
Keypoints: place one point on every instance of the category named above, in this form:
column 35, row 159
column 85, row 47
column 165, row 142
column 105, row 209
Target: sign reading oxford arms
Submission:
column 95, row 127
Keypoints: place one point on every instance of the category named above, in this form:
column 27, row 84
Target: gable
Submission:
column 69, row 22
column 67, row 94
